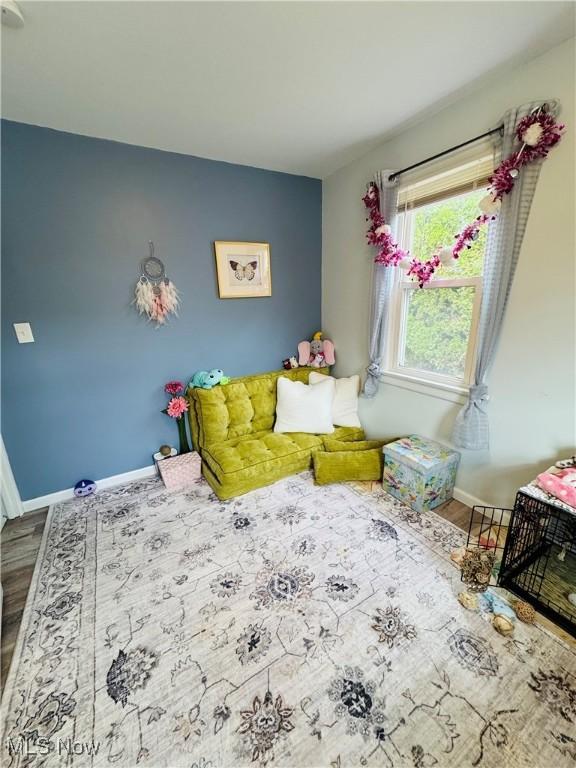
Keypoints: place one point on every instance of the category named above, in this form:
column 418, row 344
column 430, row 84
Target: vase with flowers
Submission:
column 176, row 408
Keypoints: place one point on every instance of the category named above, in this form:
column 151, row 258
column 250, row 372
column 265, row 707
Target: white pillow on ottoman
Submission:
column 345, row 406
column 302, row 408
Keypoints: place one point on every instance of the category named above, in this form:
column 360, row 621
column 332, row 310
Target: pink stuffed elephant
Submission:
column 317, row 353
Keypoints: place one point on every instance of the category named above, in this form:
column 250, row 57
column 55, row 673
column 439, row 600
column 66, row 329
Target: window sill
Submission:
column 449, row 392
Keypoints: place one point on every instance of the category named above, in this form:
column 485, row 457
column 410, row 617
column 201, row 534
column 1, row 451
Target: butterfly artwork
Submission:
column 244, row 271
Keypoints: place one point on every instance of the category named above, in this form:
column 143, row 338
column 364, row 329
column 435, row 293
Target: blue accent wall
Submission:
column 84, row 400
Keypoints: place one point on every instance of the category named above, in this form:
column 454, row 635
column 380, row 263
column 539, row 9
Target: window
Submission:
column 434, row 329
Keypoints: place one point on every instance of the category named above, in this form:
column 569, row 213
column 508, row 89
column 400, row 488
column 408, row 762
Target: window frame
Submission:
column 399, row 303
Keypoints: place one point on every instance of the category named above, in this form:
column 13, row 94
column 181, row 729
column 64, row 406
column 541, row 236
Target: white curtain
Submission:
column 382, row 284
column 471, row 429
column 11, row 505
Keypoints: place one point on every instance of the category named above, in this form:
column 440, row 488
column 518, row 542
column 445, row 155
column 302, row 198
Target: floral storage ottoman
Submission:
column 419, row 472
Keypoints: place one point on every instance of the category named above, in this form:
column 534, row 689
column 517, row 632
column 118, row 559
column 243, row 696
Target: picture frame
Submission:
column 243, row 269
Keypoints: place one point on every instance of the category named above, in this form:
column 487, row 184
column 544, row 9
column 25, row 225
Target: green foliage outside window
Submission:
column 435, row 225
column 438, row 321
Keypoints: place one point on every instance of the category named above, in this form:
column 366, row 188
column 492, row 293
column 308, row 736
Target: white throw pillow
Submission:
column 345, row 406
column 302, row 408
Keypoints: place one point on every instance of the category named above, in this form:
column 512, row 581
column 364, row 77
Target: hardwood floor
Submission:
column 20, row 543
column 456, row 512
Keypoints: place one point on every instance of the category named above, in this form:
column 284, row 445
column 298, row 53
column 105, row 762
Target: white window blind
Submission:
column 471, row 172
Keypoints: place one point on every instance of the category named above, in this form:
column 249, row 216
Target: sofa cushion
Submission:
column 340, row 466
column 259, row 454
column 304, row 408
column 331, row 444
column 345, row 405
column 243, row 407
column 347, row 434
column 237, row 483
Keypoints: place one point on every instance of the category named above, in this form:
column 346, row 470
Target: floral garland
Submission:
column 538, row 132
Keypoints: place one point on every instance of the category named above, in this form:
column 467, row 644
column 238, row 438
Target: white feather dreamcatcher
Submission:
column 155, row 295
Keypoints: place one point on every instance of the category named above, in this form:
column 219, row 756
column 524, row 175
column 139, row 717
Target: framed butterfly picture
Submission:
column 243, row 269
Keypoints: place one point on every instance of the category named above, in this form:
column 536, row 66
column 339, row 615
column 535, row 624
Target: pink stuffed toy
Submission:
column 561, row 484
column 317, row 353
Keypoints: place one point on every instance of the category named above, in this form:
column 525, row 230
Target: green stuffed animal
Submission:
column 209, row 379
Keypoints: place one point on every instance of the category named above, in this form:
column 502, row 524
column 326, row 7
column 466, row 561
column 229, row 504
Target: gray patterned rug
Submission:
column 294, row 626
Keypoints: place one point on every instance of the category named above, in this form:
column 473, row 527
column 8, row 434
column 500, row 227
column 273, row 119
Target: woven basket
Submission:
column 180, row 471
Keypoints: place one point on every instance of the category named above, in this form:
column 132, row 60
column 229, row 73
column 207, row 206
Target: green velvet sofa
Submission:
column 232, row 429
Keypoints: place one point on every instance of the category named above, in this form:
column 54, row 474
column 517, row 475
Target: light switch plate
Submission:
column 23, row 333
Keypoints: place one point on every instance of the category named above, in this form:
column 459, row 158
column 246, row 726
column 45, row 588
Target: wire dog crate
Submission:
column 539, row 559
column 482, row 558
column 529, row 550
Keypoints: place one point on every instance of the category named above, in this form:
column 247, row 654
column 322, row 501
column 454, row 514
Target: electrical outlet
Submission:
column 23, row 333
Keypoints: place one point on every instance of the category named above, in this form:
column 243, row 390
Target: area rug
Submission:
column 294, row 626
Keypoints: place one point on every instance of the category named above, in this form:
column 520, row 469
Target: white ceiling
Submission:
column 297, row 87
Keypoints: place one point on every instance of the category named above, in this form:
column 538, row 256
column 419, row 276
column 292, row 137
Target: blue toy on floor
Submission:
column 84, row 488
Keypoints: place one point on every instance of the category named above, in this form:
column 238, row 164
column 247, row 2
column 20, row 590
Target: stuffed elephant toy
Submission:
column 209, row 379
column 317, row 353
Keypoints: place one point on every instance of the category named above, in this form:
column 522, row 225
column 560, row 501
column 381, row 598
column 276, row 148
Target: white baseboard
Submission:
column 139, row 474
column 468, row 499
column 498, row 518
column 107, row 482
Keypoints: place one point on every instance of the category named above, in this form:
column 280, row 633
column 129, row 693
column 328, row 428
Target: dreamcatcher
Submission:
column 155, row 295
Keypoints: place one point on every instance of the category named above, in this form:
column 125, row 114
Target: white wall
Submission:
column 532, row 385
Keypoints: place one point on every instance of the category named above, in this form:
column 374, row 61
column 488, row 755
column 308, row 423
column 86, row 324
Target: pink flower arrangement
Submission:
column 538, row 132
column 177, row 407
column 174, row 388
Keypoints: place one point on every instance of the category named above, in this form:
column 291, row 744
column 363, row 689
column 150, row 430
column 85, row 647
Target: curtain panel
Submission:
column 382, row 284
column 505, row 235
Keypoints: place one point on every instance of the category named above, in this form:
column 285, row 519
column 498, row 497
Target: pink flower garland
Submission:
column 379, row 233
column 538, row 132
